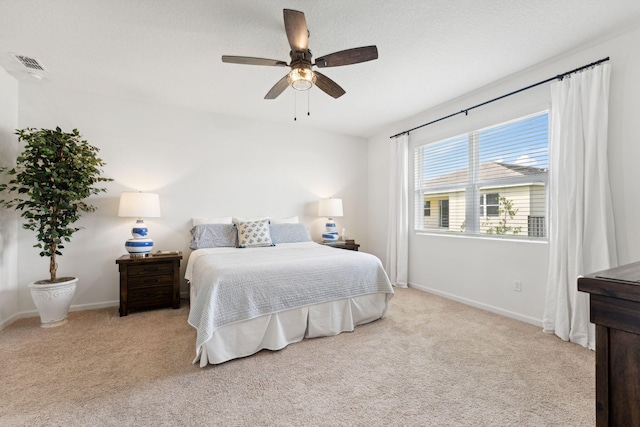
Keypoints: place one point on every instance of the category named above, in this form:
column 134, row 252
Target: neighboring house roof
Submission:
column 488, row 170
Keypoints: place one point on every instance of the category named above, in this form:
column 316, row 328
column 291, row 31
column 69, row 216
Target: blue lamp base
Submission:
column 138, row 248
column 140, row 245
column 331, row 235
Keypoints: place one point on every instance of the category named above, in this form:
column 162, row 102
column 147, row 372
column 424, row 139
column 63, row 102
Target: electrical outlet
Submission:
column 517, row 286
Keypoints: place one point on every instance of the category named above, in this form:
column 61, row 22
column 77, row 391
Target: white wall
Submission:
column 481, row 272
column 201, row 164
column 8, row 219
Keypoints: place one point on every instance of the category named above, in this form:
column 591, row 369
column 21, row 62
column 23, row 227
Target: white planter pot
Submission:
column 53, row 301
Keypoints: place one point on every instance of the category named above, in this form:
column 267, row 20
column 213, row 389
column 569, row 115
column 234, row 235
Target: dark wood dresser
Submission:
column 149, row 282
column 615, row 309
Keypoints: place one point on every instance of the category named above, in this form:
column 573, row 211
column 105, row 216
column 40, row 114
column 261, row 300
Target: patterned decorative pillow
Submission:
column 237, row 219
column 213, row 236
column 289, row 233
column 254, row 233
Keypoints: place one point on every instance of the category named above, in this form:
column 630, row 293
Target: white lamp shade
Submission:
column 137, row 204
column 330, row 207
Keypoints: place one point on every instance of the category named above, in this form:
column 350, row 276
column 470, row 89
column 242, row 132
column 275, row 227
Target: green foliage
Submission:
column 53, row 176
column 506, row 212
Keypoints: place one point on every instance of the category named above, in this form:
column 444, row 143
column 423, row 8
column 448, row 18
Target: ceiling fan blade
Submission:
column 328, row 86
column 348, row 57
column 296, row 27
column 247, row 60
column 278, row 88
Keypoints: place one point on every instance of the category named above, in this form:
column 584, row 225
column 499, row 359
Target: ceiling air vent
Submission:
column 29, row 63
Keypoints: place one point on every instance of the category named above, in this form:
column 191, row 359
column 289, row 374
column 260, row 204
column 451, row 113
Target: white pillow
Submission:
column 220, row 220
column 238, row 219
column 292, row 220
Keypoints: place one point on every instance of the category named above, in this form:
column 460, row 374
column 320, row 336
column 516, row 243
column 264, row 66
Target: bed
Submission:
column 245, row 298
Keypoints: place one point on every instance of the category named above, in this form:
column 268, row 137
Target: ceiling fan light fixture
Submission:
column 302, row 78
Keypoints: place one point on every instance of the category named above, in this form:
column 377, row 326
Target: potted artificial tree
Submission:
column 53, row 176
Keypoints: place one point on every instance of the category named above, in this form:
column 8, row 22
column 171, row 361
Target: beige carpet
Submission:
column 431, row 362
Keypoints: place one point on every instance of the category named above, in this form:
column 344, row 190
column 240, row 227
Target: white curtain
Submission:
column 397, row 262
column 581, row 230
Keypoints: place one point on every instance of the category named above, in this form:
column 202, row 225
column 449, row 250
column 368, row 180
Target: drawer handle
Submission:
column 150, row 280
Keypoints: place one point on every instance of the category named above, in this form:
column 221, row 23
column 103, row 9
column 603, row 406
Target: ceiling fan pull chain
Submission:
column 308, row 102
column 295, row 106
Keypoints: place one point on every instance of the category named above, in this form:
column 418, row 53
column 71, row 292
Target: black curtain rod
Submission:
column 466, row 110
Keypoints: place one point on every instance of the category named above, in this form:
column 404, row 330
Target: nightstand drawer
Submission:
column 149, row 281
column 150, row 269
column 159, row 296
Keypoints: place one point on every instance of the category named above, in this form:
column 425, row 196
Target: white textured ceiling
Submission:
column 168, row 52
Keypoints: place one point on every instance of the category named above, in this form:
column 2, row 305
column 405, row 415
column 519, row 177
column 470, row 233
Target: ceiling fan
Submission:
column 302, row 76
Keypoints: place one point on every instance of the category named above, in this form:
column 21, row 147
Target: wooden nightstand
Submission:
column 342, row 245
column 149, row 282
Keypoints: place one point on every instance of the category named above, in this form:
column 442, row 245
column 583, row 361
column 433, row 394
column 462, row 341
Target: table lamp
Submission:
column 330, row 208
column 138, row 204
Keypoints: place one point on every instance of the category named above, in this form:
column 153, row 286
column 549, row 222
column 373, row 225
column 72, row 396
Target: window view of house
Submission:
column 487, row 182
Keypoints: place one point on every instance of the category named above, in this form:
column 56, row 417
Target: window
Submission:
column 489, row 204
column 489, row 181
column 427, row 208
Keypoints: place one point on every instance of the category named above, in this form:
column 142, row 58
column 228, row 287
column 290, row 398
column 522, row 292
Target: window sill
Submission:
column 541, row 240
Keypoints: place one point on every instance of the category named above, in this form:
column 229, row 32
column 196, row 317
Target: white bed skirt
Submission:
column 276, row 331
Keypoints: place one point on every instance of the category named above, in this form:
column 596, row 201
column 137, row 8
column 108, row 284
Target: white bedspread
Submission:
column 231, row 285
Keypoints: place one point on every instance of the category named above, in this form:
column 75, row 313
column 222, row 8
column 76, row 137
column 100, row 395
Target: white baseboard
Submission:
column 483, row 306
column 77, row 307
column 94, row 306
